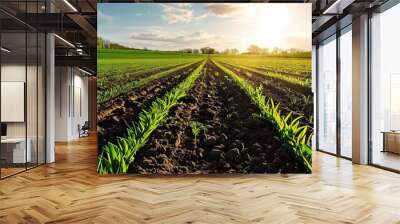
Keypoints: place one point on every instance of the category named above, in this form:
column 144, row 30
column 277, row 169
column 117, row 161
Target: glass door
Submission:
column 14, row 153
column 22, row 78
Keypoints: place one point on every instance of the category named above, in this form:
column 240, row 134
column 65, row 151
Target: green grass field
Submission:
column 123, row 66
column 291, row 65
column 208, row 90
column 119, row 61
column 115, row 65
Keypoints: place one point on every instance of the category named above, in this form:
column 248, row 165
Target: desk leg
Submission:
column 384, row 142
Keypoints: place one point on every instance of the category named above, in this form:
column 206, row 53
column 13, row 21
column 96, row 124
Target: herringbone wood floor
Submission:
column 70, row 191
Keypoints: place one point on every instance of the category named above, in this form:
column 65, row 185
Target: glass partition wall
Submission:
column 334, row 84
column 22, row 77
column 345, row 91
column 327, row 95
column 385, row 89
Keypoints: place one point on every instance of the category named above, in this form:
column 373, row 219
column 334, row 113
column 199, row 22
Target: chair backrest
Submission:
column 86, row 125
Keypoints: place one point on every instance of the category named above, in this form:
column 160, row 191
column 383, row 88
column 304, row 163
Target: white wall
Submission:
column 62, row 81
column 81, row 84
column 33, row 126
column 70, row 83
column 10, row 73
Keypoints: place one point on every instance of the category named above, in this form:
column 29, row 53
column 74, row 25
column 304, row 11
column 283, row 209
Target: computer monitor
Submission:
column 3, row 130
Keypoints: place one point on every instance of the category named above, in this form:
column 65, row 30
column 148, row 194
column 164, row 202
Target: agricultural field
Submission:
column 291, row 87
column 204, row 88
column 120, row 70
column 299, row 67
column 184, row 113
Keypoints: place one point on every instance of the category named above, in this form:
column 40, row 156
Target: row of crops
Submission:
column 206, row 116
column 127, row 84
column 300, row 67
column 116, row 65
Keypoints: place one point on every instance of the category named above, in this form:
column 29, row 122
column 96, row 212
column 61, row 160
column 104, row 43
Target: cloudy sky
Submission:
column 195, row 25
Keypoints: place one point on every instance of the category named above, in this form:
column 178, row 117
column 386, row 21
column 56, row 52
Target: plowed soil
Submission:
column 234, row 140
column 117, row 114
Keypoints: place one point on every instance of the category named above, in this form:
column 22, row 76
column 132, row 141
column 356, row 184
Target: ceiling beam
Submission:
column 77, row 61
column 337, row 7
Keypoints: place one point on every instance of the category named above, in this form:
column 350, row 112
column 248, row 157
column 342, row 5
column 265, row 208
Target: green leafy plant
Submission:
column 197, row 128
column 116, row 158
column 298, row 67
column 120, row 89
column 267, row 82
column 294, row 100
column 291, row 134
column 307, row 99
column 305, row 82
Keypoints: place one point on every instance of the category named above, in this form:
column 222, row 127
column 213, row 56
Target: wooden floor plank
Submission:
column 70, row 191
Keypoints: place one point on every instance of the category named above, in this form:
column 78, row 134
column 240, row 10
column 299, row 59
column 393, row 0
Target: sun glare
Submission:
column 271, row 29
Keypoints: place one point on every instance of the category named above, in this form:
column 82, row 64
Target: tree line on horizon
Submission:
column 252, row 49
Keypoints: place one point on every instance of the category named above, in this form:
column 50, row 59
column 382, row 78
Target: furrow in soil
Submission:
column 231, row 140
column 291, row 100
column 116, row 115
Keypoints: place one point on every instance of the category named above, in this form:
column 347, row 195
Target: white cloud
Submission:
column 182, row 38
column 239, row 11
column 184, row 4
column 179, row 13
column 173, row 13
column 160, row 39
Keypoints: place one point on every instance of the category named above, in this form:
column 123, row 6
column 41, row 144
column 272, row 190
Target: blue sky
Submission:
column 195, row 25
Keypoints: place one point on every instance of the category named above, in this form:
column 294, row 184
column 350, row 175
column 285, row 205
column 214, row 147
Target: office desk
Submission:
column 391, row 141
column 13, row 150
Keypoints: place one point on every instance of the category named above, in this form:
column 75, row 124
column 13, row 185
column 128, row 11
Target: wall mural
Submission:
column 200, row 88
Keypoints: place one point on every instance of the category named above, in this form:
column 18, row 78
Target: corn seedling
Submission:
column 116, row 158
column 120, row 89
column 197, row 128
column 307, row 99
column 289, row 79
column 292, row 135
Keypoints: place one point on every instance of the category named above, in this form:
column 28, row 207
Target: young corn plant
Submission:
column 289, row 79
column 197, row 128
column 291, row 134
column 116, row 158
column 120, row 89
column 307, row 99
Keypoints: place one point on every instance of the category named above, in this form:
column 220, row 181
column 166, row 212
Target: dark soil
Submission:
column 234, row 142
column 116, row 115
column 290, row 97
